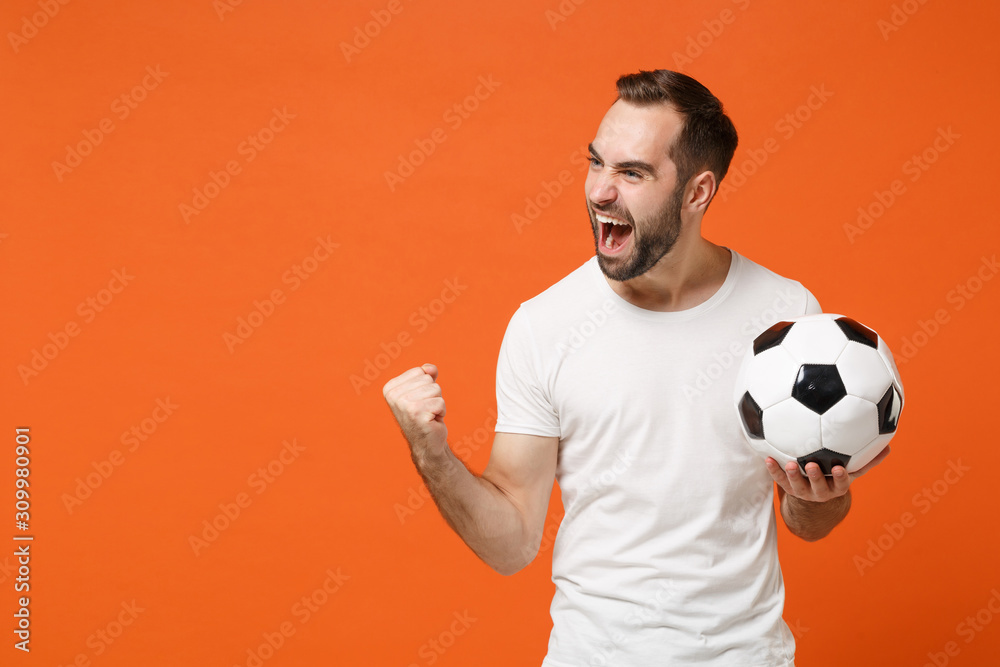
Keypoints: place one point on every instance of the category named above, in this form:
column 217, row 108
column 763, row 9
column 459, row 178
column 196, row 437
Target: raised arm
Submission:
column 500, row 515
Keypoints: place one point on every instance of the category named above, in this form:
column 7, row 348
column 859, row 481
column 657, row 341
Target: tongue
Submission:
column 619, row 233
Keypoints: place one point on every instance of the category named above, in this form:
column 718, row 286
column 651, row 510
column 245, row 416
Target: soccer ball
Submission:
column 820, row 388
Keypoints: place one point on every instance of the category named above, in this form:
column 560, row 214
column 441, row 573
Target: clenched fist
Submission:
column 415, row 400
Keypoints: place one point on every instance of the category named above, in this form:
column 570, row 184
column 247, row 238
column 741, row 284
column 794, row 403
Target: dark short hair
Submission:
column 707, row 139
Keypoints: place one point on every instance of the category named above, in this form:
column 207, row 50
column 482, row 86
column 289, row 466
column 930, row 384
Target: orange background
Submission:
column 338, row 504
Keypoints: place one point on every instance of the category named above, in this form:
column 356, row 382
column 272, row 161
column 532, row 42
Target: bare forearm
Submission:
column 482, row 515
column 813, row 520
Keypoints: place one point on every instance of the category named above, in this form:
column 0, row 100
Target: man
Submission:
column 667, row 551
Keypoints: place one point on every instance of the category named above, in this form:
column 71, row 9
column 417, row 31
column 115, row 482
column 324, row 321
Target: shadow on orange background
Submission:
column 228, row 224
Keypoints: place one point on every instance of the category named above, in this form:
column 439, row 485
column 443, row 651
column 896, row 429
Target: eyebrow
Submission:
column 628, row 164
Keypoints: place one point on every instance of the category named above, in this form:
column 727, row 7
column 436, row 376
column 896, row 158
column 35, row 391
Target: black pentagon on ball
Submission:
column 818, row 387
column 752, row 416
column 888, row 411
column 771, row 337
column 826, row 459
column 857, row 332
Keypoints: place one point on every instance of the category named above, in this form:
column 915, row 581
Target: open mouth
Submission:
column 615, row 233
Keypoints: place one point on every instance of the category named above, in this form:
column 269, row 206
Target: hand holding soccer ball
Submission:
column 819, row 388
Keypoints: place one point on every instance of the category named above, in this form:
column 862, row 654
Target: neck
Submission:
column 685, row 277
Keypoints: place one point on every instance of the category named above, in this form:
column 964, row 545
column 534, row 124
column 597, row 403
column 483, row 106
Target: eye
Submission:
column 594, row 162
column 633, row 174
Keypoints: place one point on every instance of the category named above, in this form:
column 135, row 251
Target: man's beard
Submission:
column 659, row 234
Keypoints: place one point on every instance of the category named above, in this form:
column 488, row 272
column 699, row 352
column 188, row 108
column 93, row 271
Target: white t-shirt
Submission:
column 667, row 552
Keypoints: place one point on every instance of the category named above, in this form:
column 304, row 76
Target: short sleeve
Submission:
column 812, row 305
column 523, row 405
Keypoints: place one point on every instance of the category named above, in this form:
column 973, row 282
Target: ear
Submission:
column 701, row 190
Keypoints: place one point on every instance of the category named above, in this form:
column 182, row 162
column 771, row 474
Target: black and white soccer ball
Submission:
column 820, row 388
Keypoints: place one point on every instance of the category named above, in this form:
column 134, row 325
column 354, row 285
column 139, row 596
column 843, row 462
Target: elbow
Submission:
column 515, row 564
column 507, row 570
column 511, row 567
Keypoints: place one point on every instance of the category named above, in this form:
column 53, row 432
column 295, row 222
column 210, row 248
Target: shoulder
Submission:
column 756, row 278
column 579, row 279
column 755, row 271
column 569, row 292
column 560, row 306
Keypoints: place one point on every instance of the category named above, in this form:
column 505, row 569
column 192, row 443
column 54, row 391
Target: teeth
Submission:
column 608, row 220
column 613, row 221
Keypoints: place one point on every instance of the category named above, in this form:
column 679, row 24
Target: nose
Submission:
column 600, row 188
